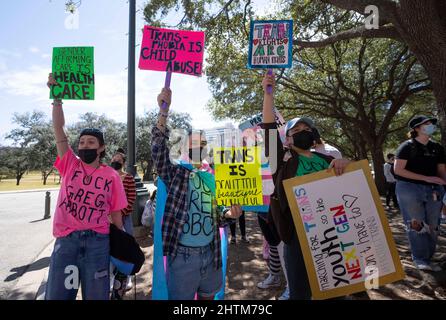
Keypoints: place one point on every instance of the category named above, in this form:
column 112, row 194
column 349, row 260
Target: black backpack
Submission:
column 124, row 247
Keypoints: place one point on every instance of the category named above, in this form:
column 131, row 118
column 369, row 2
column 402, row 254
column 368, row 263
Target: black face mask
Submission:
column 194, row 152
column 303, row 140
column 88, row 155
column 116, row 165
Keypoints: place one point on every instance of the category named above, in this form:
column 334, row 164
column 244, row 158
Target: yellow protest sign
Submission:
column 238, row 178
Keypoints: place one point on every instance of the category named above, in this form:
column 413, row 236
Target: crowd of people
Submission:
column 94, row 195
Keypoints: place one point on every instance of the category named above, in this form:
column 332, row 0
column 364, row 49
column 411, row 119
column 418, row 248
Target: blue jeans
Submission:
column 82, row 256
column 296, row 271
column 417, row 202
column 192, row 271
column 128, row 223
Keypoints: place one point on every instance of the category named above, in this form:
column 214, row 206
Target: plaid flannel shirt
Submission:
column 176, row 178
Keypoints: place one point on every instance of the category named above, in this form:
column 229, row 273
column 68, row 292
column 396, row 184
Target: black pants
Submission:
column 241, row 222
column 390, row 194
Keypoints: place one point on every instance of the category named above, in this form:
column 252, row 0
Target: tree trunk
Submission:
column 422, row 25
column 18, row 177
column 378, row 167
column 46, row 176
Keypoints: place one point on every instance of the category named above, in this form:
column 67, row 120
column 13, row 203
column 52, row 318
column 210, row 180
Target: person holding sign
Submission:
column 300, row 139
column 420, row 169
column 191, row 221
column 91, row 194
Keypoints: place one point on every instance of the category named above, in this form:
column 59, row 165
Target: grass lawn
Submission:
column 33, row 180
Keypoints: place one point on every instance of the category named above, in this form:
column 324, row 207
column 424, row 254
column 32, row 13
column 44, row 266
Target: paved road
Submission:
column 23, row 234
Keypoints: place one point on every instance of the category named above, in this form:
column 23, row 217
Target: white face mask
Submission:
column 428, row 129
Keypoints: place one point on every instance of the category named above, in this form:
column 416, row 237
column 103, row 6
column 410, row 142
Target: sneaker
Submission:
column 269, row 282
column 285, row 295
column 423, row 266
column 245, row 240
column 129, row 285
column 233, row 241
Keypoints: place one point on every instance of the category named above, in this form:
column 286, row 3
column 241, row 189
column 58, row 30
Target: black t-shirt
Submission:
column 421, row 159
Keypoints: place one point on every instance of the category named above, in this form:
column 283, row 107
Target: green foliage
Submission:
column 35, row 148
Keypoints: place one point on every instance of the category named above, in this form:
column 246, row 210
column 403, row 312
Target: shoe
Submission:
column 423, row 266
column 269, row 282
column 233, row 241
column 245, row 240
column 285, row 295
column 129, row 285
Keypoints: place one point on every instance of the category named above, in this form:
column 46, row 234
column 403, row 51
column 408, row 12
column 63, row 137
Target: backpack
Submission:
column 279, row 210
column 148, row 214
column 125, row 252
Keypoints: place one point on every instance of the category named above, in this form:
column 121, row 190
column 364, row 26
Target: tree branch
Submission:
column 387, row 31
column 387, row 8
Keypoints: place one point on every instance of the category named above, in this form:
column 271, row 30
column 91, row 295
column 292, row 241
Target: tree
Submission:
column 115, row 133
column 144, row 125
column 43, row 152
column 24, row 138
column 16, row 160
column 419, row 24
column 357, row 88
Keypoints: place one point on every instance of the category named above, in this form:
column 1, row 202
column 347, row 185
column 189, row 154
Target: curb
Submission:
column 31, row 285
column 28, row 191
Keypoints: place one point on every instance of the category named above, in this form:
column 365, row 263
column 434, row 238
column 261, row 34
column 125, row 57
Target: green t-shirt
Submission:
column 309, row 165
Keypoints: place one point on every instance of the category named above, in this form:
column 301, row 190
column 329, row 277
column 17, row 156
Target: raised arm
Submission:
column 273, row 145
column 160, row 136
column 268, row 98
column 58, row 121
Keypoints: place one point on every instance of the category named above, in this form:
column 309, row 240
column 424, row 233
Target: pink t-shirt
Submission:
column 86, row 197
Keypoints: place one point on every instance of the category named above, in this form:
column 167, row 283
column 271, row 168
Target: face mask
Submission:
column 303, row 140
column 116, row 165
column 197, row 151
column 88, row 155
column 429, row 129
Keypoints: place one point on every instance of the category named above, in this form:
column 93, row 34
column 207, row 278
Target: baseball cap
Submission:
column 290, row 124
column 419, row 120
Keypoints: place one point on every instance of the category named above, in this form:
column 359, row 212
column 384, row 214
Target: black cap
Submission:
column 93, row 132
column 419, row 120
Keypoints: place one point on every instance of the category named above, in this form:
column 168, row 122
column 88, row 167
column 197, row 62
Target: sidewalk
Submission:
column 246, row 268
column 30, row 190
column 31, row 285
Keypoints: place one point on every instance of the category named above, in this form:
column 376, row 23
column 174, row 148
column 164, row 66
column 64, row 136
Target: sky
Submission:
column 31, row 28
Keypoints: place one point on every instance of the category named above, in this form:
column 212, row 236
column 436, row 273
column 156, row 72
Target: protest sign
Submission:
column 343, row 231
column 73, row 69
column 237, row 176
column 271, row 44
column 252, row 131
column 172, row 51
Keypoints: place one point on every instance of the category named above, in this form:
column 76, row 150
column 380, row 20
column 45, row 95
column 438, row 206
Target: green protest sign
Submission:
column 73, row 69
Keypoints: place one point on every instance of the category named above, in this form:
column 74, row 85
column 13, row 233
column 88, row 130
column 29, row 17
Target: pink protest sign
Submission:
column 172, row 51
